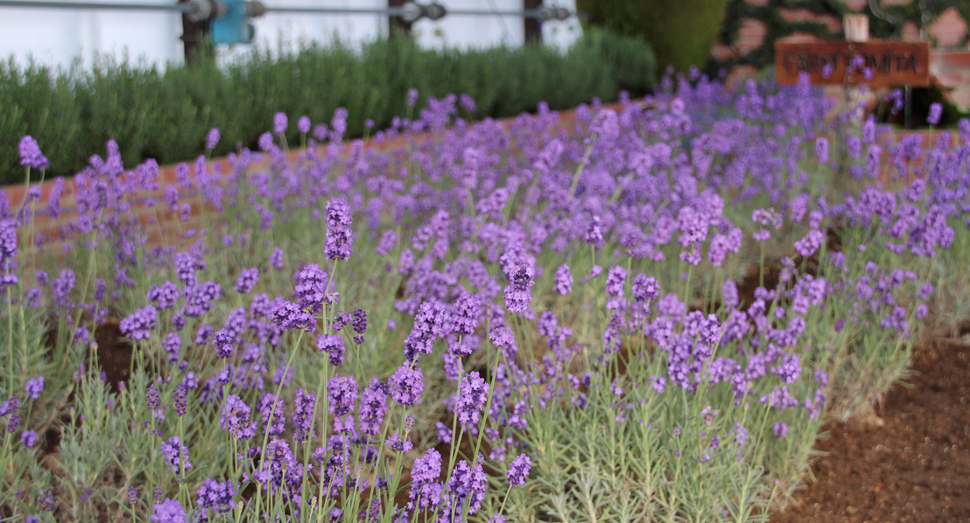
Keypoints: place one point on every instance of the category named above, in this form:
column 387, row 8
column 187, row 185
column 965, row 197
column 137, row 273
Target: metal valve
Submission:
column 414, row 12
column 205, row 10
column 434, row 11
column 548, row 12
column 255, row 9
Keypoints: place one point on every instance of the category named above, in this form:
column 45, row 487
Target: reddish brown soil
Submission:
column 911, row 463
column 114, row 352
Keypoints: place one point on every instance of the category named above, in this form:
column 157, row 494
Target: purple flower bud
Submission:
column 152, row 398
column 13, row 423
column 180, row 396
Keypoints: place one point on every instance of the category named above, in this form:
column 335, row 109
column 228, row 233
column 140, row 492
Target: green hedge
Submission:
column 165, row 114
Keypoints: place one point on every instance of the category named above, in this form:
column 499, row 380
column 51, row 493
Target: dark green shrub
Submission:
column 164, row 114
column 681, row 33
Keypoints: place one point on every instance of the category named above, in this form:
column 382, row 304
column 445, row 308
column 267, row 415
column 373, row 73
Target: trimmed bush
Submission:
column 681, row 33
column 165, row 113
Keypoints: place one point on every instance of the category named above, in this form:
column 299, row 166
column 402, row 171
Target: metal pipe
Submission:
column 531, row 13
column 393, row 11
column 181, row 8
column 190, row 8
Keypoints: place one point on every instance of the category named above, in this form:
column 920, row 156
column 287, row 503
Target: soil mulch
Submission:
column 910, row 462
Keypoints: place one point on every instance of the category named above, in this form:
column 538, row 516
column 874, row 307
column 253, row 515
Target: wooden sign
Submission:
column 890, row 63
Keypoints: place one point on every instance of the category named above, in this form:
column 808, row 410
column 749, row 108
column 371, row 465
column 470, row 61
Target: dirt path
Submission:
column 912, row 464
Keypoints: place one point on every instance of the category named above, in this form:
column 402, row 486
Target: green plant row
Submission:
column 164, row 113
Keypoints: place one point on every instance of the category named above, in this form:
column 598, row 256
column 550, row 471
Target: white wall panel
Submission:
column 57, row 36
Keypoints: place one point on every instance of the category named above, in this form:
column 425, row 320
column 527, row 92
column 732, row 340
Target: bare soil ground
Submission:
column 910, row 462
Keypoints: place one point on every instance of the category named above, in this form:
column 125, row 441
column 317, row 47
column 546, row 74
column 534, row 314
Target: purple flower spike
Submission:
column 139, row 324
column 780, row 430
column 342, row 392
column 472, row 395
column 180, row 397
column 518, row 293
column 359, row 321
column 406, row 385
column 169, row 511
column 645, row 288
column 280, row 123
column 212, row 139
column 302, row 416
column 216, row 495
column 303, row 124
column 271, row 410
column 465, row 315
column 822, row 150
column 265, row 142
column 30, row 155
column 332, row 345
column 28, row 438
column 425, row 487
column 373, row 407
column 177, row 456
column 248, row 279
column 468, row 483
column 235, row 418
column 152, row 398
column 615, row 279
column 276, row 259
column 340, row 238
column 35, row 386
column 224, row 342
column 564, row 280
column 936, row 111
column 519, row 469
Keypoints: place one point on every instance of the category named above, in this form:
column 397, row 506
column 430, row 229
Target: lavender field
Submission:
column 645, row 313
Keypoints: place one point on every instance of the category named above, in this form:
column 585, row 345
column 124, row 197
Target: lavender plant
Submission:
column 639, row 315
